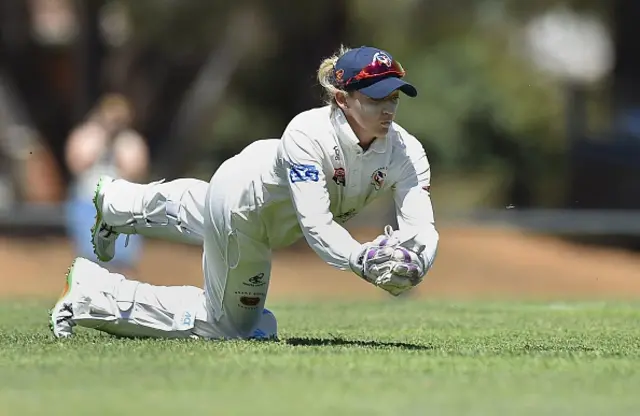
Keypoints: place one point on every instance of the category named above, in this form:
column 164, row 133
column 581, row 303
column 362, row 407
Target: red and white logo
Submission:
column 378, row 177
column 339, row 176
column 383, row 58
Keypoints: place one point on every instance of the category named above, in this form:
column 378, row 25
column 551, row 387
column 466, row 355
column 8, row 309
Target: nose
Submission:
column 389, row 109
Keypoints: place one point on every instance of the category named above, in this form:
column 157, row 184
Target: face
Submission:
column 369, row 118
column 116, row 117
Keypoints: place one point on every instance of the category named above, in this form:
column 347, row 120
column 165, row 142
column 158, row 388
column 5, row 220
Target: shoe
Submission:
column 267, row 329
column 103, row 236
column 60, row 317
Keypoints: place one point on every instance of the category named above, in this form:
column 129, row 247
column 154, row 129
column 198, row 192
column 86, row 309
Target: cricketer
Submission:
column 329, row 163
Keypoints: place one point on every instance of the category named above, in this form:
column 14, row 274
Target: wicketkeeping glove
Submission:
column 390, row 263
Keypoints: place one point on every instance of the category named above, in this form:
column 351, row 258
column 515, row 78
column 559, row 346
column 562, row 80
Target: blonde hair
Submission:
column 114, row 105
column 326, row 76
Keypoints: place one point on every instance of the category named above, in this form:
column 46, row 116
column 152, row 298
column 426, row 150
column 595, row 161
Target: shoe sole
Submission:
column 65, row 292
column 95, row 230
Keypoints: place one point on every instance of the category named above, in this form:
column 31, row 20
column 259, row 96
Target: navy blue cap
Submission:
column 355, row 60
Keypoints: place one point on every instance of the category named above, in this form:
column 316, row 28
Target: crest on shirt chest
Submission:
column 378, row 177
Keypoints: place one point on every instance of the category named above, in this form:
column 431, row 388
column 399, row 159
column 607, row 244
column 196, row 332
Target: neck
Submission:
column 365, row 139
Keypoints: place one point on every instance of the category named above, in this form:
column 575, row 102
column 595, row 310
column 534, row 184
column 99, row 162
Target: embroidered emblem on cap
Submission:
column 383, row 58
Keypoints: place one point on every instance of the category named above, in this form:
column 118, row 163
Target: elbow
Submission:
column 311, row 224
column 436, row 235
column 429, row 236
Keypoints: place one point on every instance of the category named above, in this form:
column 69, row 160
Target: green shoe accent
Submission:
column 96, row 226
column 65, row 292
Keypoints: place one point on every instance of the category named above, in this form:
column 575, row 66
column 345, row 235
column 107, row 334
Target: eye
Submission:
column 391, row 98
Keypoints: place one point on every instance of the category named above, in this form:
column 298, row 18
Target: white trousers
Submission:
column 111, row 303
column 236, row 256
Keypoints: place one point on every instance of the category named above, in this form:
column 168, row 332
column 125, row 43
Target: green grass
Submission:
column 399, row 357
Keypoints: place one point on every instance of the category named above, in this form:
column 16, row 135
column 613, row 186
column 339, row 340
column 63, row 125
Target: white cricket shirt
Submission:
column 316, row 177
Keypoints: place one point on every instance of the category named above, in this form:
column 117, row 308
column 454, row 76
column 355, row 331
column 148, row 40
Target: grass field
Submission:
column 399, row 357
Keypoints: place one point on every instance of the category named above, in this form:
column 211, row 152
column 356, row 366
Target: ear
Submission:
column 341, row 100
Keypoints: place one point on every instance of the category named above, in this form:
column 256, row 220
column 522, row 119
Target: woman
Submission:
column 330, row 163
column 104, row 144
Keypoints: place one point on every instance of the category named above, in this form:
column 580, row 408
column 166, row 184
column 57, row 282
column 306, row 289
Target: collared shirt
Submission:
column 317, row 177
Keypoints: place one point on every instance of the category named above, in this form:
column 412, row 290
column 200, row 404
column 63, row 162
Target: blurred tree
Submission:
column 267, row 77
column 206, row 80
column 482, row 105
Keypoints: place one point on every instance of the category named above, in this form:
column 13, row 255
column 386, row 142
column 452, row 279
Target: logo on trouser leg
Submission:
column 250, row 300
column 186, row 319
column 255, row 281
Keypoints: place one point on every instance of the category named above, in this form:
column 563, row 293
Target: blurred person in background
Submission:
column 104, row 144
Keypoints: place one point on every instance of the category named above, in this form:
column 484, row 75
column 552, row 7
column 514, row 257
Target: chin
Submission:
column 382, row 131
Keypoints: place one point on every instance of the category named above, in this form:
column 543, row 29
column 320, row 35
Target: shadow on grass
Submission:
column 340, row 342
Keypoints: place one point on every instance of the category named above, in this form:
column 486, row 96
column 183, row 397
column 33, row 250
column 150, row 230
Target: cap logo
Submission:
column 383, row 58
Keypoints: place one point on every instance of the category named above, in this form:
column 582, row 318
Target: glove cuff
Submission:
column 356, row 261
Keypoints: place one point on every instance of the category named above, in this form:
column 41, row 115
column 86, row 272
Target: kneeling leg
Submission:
column 108, row 302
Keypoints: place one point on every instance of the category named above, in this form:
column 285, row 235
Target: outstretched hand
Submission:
column 390, row 263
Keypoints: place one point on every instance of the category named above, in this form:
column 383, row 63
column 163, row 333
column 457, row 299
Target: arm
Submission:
column 412, row 199
column 131, row 155
column 83, row 147
column 302, row 160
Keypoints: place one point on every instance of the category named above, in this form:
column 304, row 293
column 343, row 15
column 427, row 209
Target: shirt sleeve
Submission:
column 412, row 199
column 308, row 186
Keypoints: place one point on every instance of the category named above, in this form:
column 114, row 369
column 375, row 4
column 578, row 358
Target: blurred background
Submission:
column 529, row 111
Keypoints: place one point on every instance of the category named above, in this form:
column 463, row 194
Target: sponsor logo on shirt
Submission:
column 336, row 150
column 339, row 176
column 303, row 173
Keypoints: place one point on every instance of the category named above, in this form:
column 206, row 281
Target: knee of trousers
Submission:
column 157, row 208
column 144, row 205
column 163, row 214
